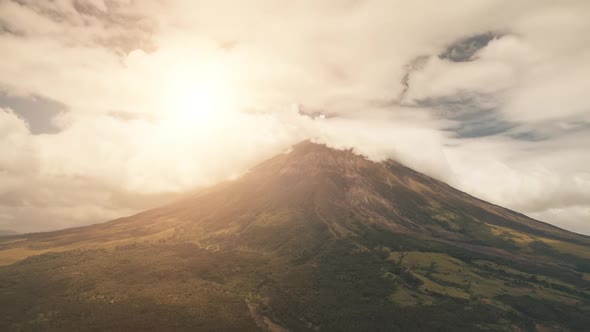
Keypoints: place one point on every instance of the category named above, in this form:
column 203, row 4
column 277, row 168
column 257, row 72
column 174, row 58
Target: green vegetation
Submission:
column 314, row 240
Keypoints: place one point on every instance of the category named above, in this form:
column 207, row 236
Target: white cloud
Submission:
column 574, row 218
column 442, row 78
column 125, row 69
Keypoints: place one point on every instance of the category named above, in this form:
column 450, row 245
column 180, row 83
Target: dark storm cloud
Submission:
column 464, row 49
column 6, row 28
column 471, row 115
column 122, row 32
column 550, row 130
column 475, row 115
column 414, row 65
column 38, row 112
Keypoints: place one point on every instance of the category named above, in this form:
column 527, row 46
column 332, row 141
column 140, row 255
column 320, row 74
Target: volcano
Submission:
column 315, row 239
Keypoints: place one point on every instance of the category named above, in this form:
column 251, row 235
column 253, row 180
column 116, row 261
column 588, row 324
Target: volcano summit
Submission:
column 315, row 239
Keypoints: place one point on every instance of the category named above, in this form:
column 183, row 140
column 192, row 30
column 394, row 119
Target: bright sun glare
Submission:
column 197, row 96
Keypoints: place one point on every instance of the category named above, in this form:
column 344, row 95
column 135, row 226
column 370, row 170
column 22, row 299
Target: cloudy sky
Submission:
column 109, row 107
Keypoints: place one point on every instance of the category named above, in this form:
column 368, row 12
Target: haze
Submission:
column 110, row 107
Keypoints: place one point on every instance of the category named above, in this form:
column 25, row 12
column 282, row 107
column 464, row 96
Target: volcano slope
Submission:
column 315, row 239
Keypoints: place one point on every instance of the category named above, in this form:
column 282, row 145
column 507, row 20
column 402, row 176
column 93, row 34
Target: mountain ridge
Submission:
column 309, row 240
column 307, row 146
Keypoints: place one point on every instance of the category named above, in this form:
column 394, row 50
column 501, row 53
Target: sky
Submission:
column 111, row 107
